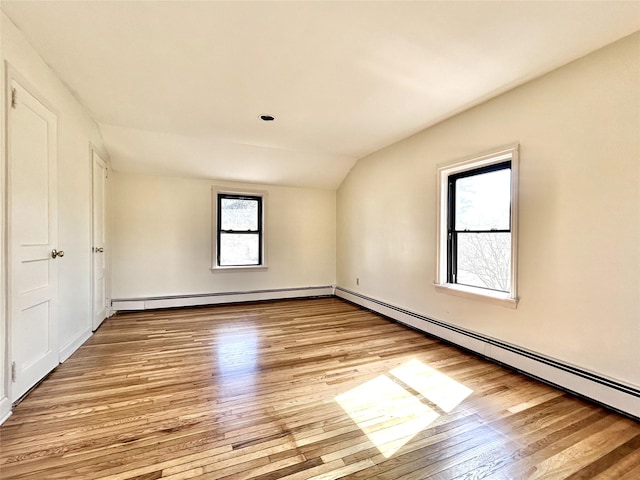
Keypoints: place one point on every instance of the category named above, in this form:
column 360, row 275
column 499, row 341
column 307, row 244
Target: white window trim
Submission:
column 507, row 299
column 215, row 190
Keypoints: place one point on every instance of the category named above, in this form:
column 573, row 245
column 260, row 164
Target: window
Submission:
column 239, row 230
column 477, row 227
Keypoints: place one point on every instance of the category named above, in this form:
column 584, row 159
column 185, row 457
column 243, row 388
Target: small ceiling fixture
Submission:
column 267, row 118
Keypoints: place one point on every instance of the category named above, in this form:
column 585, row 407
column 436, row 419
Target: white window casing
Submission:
column 215, row 191
column 510, row 298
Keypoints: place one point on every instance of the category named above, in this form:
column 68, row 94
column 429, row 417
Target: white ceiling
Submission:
column 178, row 87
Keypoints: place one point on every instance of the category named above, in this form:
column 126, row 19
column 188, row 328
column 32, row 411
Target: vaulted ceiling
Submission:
column 178, row 87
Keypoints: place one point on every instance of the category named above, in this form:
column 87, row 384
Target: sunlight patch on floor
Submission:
column 390, row 415
column 436, row 387
column 237, row 355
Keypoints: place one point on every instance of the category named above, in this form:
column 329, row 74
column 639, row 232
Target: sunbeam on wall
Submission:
column 390, row 415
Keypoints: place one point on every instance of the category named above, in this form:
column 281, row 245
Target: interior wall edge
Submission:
column 619, row 396
column 67, row 350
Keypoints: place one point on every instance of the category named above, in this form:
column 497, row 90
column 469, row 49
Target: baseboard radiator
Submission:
column 614, row 394
column 147, row 303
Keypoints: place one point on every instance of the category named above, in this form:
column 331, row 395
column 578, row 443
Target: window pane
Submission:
column 483, row 202
column 239, row 249
column 239, row 214
column 484, row 260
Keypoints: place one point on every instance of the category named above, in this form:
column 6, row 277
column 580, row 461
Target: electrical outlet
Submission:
column 357, row 280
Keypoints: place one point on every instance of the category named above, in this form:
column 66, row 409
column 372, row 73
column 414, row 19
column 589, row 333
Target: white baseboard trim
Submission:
column 5, row 409
column 218, row 298
column 613, row 393
column 67, row 350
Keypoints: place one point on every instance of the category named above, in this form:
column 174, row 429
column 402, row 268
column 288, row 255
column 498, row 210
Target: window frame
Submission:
column 460, row 169
column 217, row 195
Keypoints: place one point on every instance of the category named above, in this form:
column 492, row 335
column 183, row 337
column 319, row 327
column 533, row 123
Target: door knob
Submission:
column 98, row 249
column 56, row 253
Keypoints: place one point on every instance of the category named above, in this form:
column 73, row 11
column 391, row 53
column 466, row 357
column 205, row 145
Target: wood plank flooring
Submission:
column 300, row 389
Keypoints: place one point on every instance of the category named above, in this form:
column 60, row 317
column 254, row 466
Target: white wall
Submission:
column 579, row 244
column 75, row 131
column 162, row 235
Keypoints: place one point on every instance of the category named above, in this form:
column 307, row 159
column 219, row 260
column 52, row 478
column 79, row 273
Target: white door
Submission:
column 98, row 233
column 33, row 236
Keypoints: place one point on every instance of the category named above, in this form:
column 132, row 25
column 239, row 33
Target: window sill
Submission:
column 489, row 296
column 237, row 268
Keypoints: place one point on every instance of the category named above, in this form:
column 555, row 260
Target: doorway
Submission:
column 33, row 250
column 98, row 234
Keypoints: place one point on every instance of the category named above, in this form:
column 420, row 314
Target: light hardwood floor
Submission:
column 300, row 389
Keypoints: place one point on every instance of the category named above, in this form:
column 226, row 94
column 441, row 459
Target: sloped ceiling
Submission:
column 178, row 87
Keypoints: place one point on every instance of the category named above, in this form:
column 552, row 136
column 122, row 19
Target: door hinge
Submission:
column 14, row 98
column 106, row 173
column 13, row 371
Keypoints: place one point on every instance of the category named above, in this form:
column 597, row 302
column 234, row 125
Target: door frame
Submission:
column 107, row 270
column 11, row 74
column 5, row 395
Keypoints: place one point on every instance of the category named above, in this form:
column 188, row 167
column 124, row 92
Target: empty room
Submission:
column 319, row 239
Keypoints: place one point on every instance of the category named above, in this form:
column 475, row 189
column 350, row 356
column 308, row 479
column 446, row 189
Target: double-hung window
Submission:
column 477, row 227
column 239, row 230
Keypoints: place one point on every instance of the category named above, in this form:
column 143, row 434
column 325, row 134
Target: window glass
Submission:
column 479, row 251
column 239, row 249
column 483, row 201
column 484, row 260
column 239, row 214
